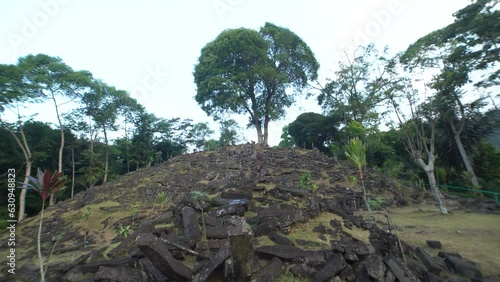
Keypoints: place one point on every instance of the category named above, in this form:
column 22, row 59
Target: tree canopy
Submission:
column 257, row 73
column 473, row 39
column 312, row 130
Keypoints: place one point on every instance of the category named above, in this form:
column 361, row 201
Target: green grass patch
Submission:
column 474, row 235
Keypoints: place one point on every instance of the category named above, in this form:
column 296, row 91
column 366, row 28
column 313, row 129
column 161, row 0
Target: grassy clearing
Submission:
column 475, row 236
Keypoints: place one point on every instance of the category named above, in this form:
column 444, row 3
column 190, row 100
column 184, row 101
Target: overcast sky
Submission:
column 149, row 48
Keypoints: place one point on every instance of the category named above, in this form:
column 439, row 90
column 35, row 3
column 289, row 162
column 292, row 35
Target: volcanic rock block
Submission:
column 320, row 228
column 164, row 217
column 263, row 228
column 434, row 244
column 237, row 226
column 216, row 232
column 212, row 245
column 240, row 194
column 240, row 238
column 241, row 251
column 351, row 256
column 284, row 215
column 333, row 266
column 463, row 267
column 445, row 254
column 316, row 258
column 338, row 247
column 174, row 239
column 218, row 201
column 429, row 262
column 294, row 191
column 121, row 273
column 361, row 274
column 228, row 210
column 162, row 259
column 389, row 276
column 332, row 206
column 278, row 239
column 375, row 267
column 401, row 272
column 209, row 266
column 348, row 274
column 125, row 245
column 198, row 205
column 270, row 271
column 302, row 270
column 148, row 265
column 211, row 220
column 364, row 249
column 190, row 223
column 281, row 251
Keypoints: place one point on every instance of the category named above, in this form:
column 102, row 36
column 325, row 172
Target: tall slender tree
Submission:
column 470, row 45
column 419, row 139
column 358, row 88
column 102, row 103
column 50, row 78
column 13, row 91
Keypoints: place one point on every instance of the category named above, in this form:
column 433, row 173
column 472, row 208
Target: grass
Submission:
column 303, row 231
column 288, row 276
column 476, row 236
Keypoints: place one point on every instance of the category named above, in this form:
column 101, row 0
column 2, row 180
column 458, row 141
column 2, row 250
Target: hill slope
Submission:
column 247, row 192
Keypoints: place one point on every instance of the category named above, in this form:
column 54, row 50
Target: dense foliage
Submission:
column 369, row 97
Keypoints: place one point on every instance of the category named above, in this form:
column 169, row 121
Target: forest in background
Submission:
column 372, row 97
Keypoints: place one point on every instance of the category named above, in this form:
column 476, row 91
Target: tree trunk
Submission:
column 429, row 170
column 27, row 159
column 91, row 163
column 61, row 147
column 126, row 149
column 24, row 191
column 266, row 130
column 435, row 191
column 72, row 171
column 40, row 257
column 260, row 136
column 106, row 161
column 463, row 154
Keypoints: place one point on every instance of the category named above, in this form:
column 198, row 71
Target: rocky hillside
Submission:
column 238, row 214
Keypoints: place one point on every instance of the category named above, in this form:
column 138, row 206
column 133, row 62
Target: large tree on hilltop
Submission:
column 257, row 73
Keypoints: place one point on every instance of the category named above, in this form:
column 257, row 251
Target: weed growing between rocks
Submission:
column 86, row 217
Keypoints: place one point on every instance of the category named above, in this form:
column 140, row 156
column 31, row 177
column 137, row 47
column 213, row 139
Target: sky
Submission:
column 149, row 48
